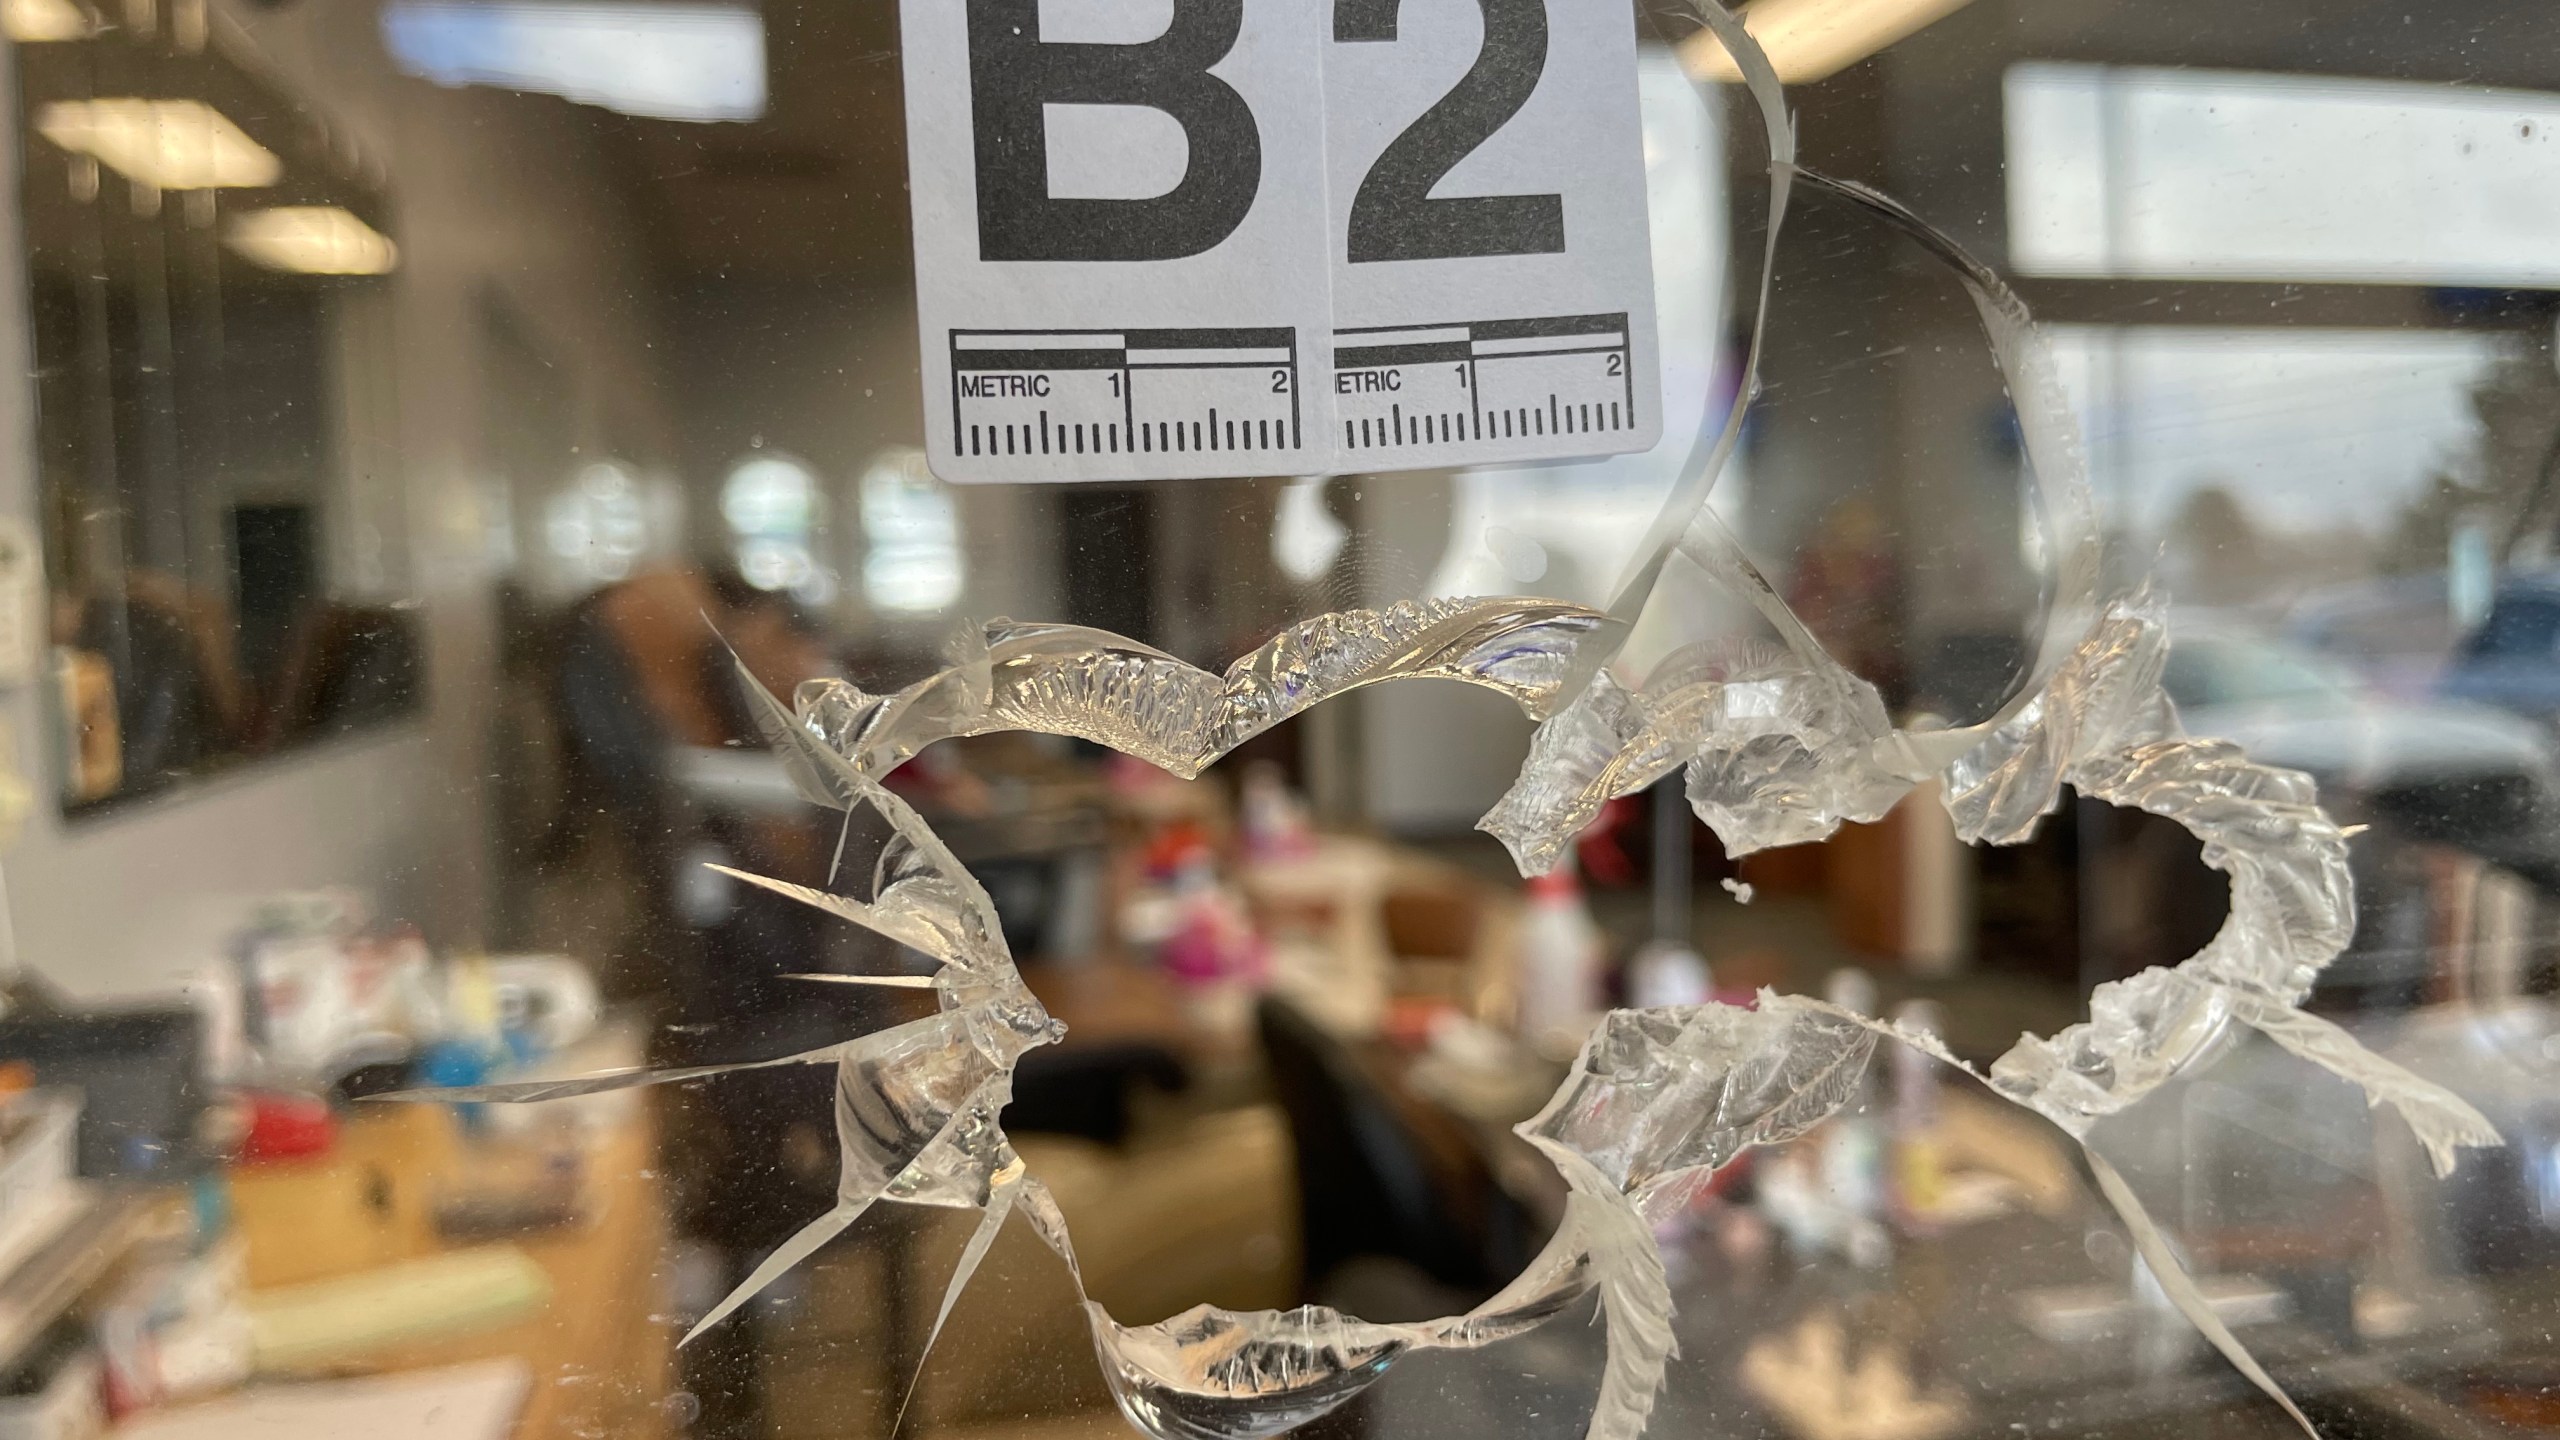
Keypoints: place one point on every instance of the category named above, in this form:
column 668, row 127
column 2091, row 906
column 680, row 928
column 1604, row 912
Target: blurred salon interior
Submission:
column 429, row 408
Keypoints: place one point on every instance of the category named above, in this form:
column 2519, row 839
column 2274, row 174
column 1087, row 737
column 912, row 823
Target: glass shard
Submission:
column 1780, row 744
column 1097, row 686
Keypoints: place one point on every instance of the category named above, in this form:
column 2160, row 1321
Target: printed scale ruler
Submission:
column 1399, row 394
column 1415, row 389
column 1027, row 394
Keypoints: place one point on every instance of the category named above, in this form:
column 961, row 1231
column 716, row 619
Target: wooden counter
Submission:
column 601, row 1348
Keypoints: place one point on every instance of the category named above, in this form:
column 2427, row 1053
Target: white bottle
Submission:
column 1666, row 973
column 1559, row 966
column 1853, row 1141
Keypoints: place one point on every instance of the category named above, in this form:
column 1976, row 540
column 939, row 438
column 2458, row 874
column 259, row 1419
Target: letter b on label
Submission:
column 1013, row 74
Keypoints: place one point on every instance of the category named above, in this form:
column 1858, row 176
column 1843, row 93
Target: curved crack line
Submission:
column 1779, row 748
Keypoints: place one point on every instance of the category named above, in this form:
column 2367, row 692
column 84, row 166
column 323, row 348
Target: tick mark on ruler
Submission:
column 1124, row 392
column 1491, row 380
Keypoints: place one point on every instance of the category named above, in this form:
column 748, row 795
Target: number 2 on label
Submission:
column 1393, row 215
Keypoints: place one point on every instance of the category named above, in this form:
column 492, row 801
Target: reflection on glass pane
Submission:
column 600, row 524
column 36, row 22
column 2268, row 463
column 911, row 536
column 211, row 342
column 613, row 398
column 313, row 240
column 1585, row 517
column 770, row 495
column 169, row 144
column 667, row 61
column 1305, row 536
column 2131, row 172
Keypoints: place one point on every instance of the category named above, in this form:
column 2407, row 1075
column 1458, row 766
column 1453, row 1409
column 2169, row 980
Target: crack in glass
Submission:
column 1779, row 745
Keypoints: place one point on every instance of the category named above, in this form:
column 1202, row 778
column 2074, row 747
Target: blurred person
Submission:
column 1848, row 587
column 643, row 672
column 178, row 705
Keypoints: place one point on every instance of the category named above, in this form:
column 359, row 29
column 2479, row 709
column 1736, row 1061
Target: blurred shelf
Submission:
column 53, row 1278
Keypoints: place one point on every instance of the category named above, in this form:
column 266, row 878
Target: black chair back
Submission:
column 1364, row 1186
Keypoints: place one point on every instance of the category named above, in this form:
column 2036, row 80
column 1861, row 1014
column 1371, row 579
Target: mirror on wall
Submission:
column 207, row 266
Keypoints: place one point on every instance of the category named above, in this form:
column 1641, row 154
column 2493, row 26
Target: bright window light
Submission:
column 770, row 495
column 599, row 526
column 669, row 61
column 313, row 240
column 773, row 507
column 2332, row 434
column 168, row 144
column 911, row 536
column 1305, row 537
column 1808, row 40
column 35, row 22
column 2131, row 173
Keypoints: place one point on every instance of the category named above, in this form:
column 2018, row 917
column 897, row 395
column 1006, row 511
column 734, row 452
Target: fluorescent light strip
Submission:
column 662, row 59
column 2142, row 173
column 312, row 240
column 168, row 144
column 1814, row 39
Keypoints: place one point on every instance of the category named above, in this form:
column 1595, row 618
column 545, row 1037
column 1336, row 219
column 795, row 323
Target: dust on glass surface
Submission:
column 2220, row 574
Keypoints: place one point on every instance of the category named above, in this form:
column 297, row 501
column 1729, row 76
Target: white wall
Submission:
column 1434, row 754
column 136, row 902
column 826, row 371
column 492, row 193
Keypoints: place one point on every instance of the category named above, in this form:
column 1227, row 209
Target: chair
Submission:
column 1365, row 1186
column 1085, row 1090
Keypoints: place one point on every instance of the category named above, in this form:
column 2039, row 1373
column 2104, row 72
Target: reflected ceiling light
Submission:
column 665, row 60
column 168, row 144
column 911, row 531
column 1305, row 537
column 312, row 240
column 33, row 22
column 1814, row 39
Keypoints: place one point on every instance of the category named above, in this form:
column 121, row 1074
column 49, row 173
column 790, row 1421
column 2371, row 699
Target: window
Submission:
column 2272, row 461
column 437, row 412
column 910, row 536
column 600, row 526
column 668, row 61
column 773, row 508
column 2138, row 173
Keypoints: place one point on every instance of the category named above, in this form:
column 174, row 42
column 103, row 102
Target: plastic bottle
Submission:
column 1919, row 1164
column 1274, row 821
column 1559, row 966
column 1854, row 1161
column 1666, row 972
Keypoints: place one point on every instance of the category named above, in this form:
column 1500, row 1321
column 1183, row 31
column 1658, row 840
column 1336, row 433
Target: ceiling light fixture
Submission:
column 312, row 240
column 34, row 22
column 662, row 59
column 170, row 144
column 1814, row 39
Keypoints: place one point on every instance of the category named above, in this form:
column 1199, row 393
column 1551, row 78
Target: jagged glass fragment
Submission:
column 1097, row 686
column 1781, row 745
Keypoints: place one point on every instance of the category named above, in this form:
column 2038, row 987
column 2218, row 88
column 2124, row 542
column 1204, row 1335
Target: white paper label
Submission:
column 1166, row 238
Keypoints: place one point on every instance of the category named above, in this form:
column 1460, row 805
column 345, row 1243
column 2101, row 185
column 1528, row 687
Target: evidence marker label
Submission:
column 1275, row 237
